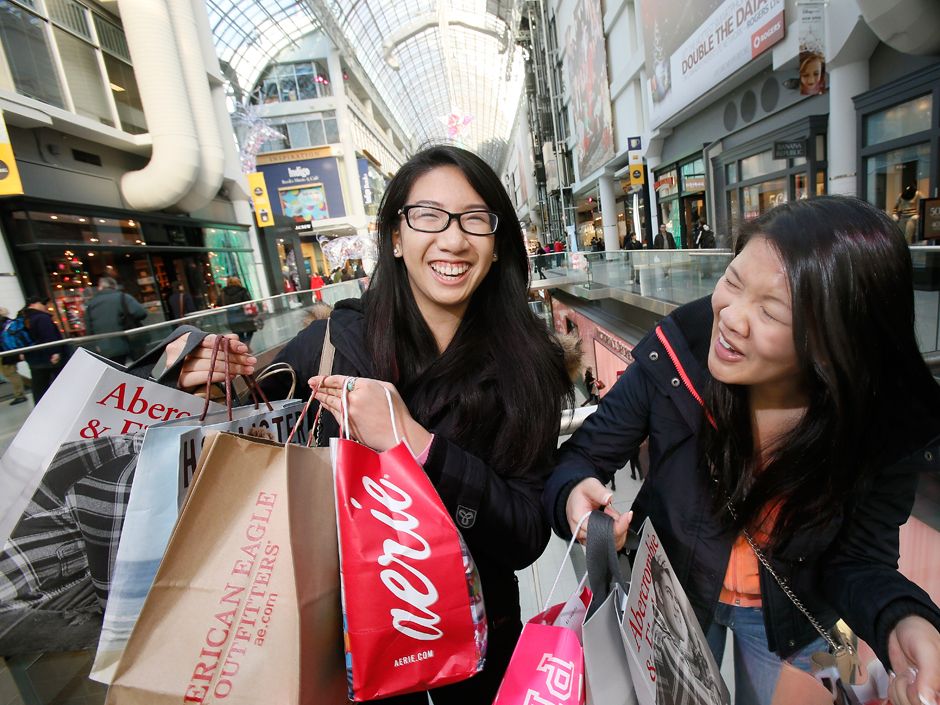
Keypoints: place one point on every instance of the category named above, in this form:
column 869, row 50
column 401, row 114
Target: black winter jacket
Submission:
column 847, row 568
column 499, row 517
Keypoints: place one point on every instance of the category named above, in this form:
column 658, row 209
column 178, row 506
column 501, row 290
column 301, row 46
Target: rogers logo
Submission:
column 767, row 36
column 403, row 580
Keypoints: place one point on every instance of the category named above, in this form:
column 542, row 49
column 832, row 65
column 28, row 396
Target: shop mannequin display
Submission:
column 906, row 209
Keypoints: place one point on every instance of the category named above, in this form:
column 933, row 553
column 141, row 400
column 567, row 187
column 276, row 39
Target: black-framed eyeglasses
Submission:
column 428, row 219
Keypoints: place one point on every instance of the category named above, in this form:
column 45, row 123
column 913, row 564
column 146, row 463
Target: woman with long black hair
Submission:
column 791, row 409
column 477, row 380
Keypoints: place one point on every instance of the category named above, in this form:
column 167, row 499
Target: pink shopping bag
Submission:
column 547, row 665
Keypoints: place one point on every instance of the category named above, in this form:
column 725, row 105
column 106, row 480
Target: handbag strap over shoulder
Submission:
column 326, row 354
column 785, row 586
column 326, row 368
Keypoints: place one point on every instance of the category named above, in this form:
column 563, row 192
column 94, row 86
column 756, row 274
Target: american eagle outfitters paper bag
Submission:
column 245, row 607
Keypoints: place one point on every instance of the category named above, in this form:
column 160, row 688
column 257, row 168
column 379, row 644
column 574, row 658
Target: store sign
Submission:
column 692, row 47
column 260, row 203
column 693, row 183
column 10, row 184
column 293, row 155
column 931, row 218
column 637, row 173
column 665, row 182
column 790, row 150
column 615, row 345
column 305, row 190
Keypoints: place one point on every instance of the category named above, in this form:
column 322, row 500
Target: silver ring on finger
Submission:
column 351, row 383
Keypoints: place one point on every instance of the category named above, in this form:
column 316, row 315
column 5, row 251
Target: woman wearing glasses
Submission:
column 477, row 380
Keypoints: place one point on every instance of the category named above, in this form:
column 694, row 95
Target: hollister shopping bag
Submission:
column 91, row 397
column 245, row 606
column 167, row 462
column 412, row 604
column 547, row 665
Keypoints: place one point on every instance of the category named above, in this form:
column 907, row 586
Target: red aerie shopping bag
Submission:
column 412, row 602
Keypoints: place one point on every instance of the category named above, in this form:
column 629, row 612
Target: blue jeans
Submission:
column 756, row 669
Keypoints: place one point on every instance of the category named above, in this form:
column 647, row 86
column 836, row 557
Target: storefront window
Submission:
column 800, row 186
column 666, row 184
column 763, row 196
column 760, row 164
column 896, row 182
column 899, row 121
column 227, row 263
column 66, row 227
column 693, row 176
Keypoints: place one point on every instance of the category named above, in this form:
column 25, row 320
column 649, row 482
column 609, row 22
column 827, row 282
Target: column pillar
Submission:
column 605, row 187
column 845, row 81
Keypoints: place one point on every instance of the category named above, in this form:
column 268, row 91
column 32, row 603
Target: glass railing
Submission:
column 674, row 277
column 278, row 319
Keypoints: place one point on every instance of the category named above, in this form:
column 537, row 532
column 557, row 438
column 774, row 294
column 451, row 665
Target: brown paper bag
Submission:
column 245, row 608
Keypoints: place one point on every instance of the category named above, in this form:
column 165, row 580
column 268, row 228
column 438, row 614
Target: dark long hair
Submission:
column 500, row 383
column 850, row 277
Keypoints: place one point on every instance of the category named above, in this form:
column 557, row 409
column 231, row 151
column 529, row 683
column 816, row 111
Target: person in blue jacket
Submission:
column 44, row 364
column 792, row 407
column 445, row 326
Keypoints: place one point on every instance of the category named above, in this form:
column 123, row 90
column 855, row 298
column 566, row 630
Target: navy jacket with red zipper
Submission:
column 846, row 568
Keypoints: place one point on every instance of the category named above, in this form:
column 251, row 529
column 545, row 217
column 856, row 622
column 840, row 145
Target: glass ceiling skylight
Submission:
column 448, row 70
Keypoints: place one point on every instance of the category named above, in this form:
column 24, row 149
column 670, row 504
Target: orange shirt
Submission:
column 741, row 585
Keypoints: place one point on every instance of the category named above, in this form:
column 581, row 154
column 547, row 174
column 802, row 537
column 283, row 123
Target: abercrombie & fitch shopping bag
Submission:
column 91, row 397
column 245, row 606
column 412, row 602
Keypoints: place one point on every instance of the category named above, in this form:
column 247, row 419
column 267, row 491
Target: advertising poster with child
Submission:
column 669, row 658
column 812, row 24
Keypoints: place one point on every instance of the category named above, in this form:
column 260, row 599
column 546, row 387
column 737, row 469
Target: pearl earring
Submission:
column 495, row 256
column 395, row 251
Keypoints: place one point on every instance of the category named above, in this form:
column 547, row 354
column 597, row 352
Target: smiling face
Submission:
column 752, row 335
column 445, row 268
column 810, row 73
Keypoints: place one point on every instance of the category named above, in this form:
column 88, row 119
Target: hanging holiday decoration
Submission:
column 338, row 250
column 254, row 132
column 458, row 123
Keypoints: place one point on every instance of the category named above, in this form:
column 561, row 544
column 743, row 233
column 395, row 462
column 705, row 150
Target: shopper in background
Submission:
column 181, row 303
column 8, row 362
column 111, row 311
column 664, row 239
column 792, row 409
column 44, row 364
column 240, row 321
column 443, row 327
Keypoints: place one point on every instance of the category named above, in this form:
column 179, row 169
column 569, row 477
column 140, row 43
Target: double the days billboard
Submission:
column 692, row 47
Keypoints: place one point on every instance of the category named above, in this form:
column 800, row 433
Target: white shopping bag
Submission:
column 91, row 397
